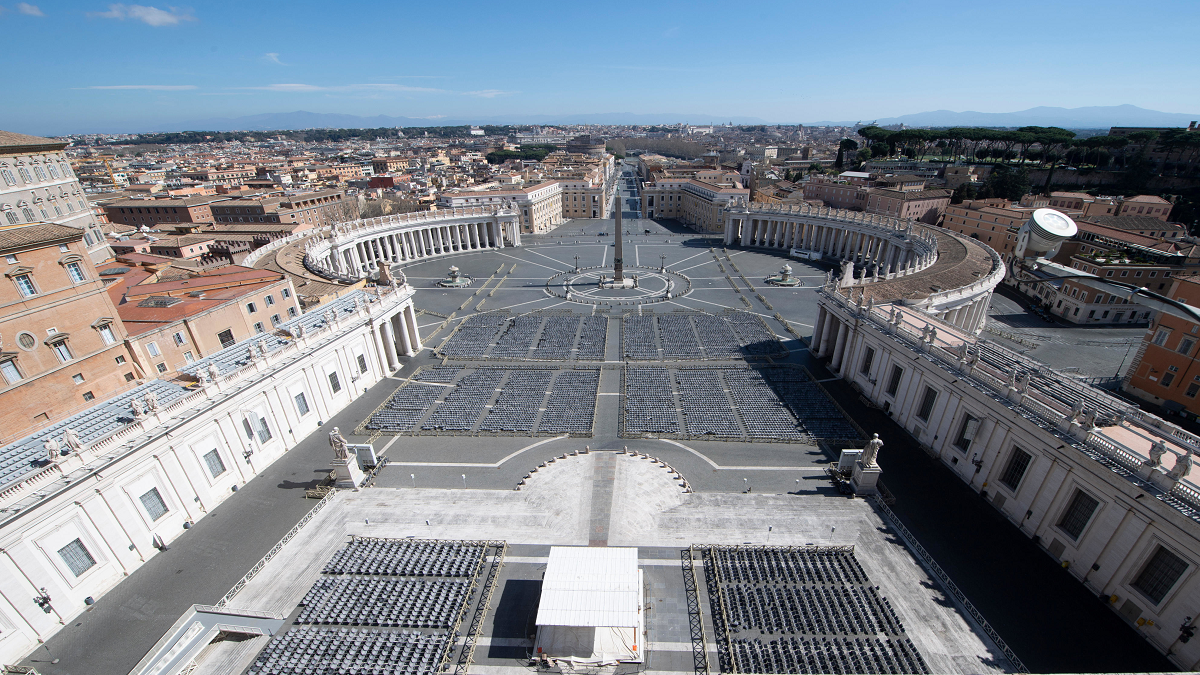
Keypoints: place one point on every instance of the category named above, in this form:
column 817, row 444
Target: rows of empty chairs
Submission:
column 648, row 406
column 474, row 335
column 557, row 338
column 678, row 337
column 763, row 414
column 516, row 410
column 817, row 414
column 310, row 649
column 780, row 565
column 755, row 337
column 817, row 610
column 828, row 655
column 516, row 337
column 571, row 406
column 690, row 335
column 384, row 601
column 819, row 600
column 716, row 336
column 462, row 406
column 705, row 407
column 637, row 338
column 593, row 335
column 407, row 558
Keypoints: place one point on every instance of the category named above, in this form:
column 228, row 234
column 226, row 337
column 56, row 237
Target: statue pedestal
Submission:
column 1146, row 472
column 1163, row 480
column 346, row 473
column 865, row 478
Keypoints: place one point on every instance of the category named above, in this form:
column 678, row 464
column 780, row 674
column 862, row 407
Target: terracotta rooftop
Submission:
column 12, row 143
column 1133, row 223
column 960, row 262
column 23, row 236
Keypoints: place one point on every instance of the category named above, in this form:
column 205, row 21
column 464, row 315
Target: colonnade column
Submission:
column 389, row 346
column 414, row 334
column 839, row 347
column 814, row 345
column 396, row 321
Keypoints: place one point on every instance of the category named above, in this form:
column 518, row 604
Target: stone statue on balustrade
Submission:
column 71, row 440
column 1076, row 411
column 932, row 336
column 339, row 444
column 847, row 278
column 202, row 377
column 53, row 452
column 330, row 317
column 871, row 451
column 139, row 409
column 1088, row 420
column 262, row 348
column 1183, row 466
column 1012, row 379
column 1023, row 383
column 214, row 373
column 1157, row 450
column 151, row 401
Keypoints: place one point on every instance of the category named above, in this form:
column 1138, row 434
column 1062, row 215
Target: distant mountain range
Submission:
column 1092, row 117
column 301, row 119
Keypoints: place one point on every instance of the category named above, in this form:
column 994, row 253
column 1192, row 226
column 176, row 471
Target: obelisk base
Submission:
column 346, row 473
column 865, row 480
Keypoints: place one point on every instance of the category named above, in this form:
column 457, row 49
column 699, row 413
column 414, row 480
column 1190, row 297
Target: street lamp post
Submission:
column 464, row 477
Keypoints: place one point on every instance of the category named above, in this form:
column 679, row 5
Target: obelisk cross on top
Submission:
column 618, row 267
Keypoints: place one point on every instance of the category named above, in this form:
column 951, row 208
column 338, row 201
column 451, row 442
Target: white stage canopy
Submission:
column 589, row 611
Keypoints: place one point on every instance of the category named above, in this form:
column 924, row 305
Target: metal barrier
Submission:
column 937, row 571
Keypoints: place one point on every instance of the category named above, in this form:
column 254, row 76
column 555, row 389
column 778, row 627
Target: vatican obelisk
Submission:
column 618, row 271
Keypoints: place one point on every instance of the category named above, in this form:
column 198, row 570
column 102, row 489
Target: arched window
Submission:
column 53, row 170
column 25, row 175
column 9, row 178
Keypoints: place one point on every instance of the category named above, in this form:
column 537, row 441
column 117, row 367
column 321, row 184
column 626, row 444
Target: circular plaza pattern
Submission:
column 652, row 285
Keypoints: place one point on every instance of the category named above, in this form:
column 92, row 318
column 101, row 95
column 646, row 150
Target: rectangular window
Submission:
column 106, row 334
column 301, row 404
column 1161, row 336
column 362, row 364
column 88, row 396
column 334, row 383
column 25, row 285
column 285, row 293
column 927, row 402
column 1160, row 574
column 62, row 351
column 216, row 467
column 77, row 378
column 866, row 363
column 1185, row 345
column 894, row 383
column 154, row 504
column 291, row 312
column 9, row 370
column 179, row 339
column 251, row 307
column 1078, row 513
column 77, row 558
column 1018, row 462
column 258, row 328
column 966, row 433
column 276, row 320
column 270, row 300
column 152, row 349
column 76, row 272
column 226, row 338
column 161, row 367
column 256, row 425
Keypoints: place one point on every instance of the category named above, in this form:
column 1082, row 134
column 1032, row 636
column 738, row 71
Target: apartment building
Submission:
column 306, row 210
column 61, row 340
column 153, row 212
column 37, row 185
column 693, row 201
column 540, row 206
column 899, row 196
column 176, row 315
column 1083, row 205
column 1165, row 370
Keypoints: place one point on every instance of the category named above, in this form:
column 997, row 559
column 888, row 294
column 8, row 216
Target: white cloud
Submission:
column 488, row 93
column 147, row 87
column 152, row 16
column 28, row 9
column 273, row 57
column 295, row 88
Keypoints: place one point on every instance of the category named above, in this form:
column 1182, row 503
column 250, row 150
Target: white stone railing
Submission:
column 107, row 446
column 993, row 278
column 1032, row 405
column 261, row 251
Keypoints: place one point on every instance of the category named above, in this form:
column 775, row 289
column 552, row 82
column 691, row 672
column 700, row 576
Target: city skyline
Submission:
column 144, row 67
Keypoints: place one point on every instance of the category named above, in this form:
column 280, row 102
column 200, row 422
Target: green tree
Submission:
column 846, row 144
column 963, row 193
column 1008, row 182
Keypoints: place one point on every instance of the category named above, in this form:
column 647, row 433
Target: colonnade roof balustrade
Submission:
column 1116, row 433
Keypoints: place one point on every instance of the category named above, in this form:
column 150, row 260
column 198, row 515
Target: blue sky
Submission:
column 92, row 65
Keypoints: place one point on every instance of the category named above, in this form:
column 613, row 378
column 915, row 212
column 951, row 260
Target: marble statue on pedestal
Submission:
column 871, row 451
column 71, row 440
column 1183, row 466
column 338, row 442
column 53, row 452
column 1157, row 450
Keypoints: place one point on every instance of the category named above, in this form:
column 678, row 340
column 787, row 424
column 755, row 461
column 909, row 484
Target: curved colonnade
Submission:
column 355, row 249
column 898, row 261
